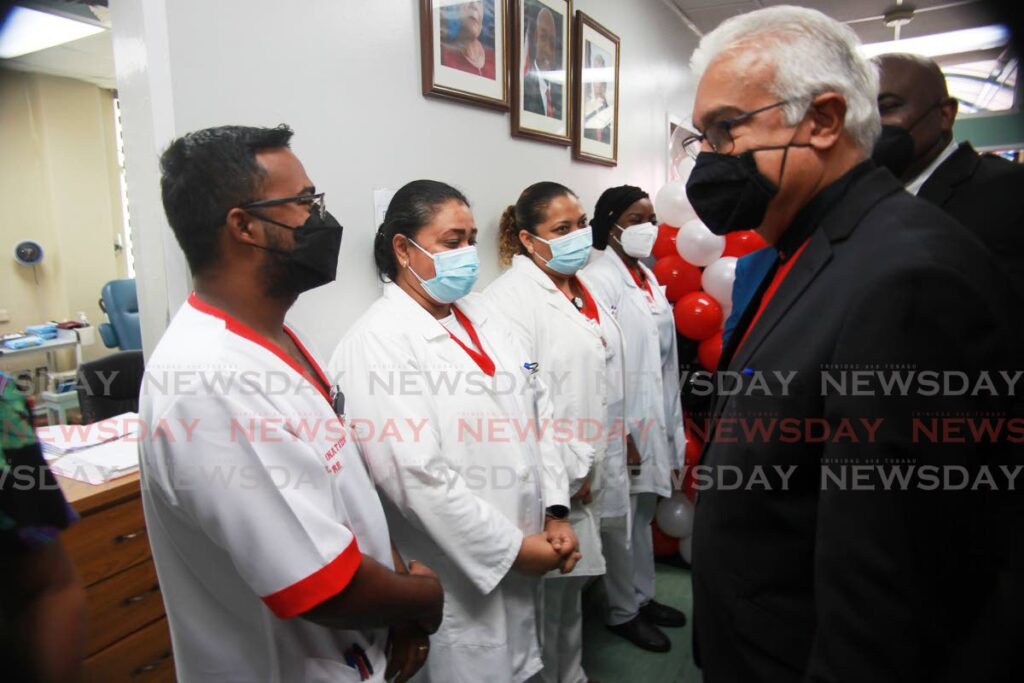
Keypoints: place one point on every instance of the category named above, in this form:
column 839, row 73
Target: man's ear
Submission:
column 949, row 108
column 241, row 227
column 828, row 120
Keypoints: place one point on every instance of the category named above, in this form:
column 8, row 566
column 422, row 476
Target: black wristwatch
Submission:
column 559, row 512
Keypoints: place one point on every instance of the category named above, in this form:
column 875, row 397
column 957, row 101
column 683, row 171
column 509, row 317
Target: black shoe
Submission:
column 663, row 615
column 643, row 634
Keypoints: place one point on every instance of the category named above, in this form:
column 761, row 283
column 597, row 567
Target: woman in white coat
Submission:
column 546, row 240
column 624, row 222
column 445, row 407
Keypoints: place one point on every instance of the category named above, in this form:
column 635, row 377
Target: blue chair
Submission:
column 120, row 303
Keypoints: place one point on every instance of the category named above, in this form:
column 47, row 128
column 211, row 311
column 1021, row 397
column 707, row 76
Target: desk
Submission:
column 126, row 631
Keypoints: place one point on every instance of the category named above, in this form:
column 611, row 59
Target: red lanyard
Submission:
column 479, row 357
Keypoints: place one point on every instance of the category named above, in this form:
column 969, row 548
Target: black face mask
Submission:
column 313, row 261
column 894, row 149
column 729, row 193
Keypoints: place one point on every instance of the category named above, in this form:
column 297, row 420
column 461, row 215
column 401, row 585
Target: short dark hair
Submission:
column 412, row 208
column 527, row 213
column 205, row 174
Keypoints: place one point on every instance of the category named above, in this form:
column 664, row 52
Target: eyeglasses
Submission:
column 719, row 133
column 315, row 202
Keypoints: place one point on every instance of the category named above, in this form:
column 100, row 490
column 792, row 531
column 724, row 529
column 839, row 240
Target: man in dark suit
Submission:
column 841, row 532
column 982, row 191
column 540, row 95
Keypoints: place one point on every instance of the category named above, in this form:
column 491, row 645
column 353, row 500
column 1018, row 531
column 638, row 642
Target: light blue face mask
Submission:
column 455, row 273
column 569, row 252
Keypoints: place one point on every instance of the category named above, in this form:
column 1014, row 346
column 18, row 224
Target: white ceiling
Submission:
column 88, row 59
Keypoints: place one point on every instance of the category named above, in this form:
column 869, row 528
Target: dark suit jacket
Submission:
column 807, row 582
column 533, row 100
column 985, row 193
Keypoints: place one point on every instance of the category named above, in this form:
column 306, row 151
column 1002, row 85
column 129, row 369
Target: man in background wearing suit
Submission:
column 540, row 95
column 982, row 191
column 823, row 550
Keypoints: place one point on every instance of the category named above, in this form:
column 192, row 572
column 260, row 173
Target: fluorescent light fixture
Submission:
column 28, row 30
column 949, row 43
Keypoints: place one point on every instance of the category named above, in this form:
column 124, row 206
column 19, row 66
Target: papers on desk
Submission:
column 93, row 453
column 58, row 440
column 99, row 464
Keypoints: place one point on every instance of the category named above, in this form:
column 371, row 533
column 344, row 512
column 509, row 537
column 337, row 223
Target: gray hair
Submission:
column 811, row 54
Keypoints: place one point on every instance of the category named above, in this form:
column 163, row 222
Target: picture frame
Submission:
column 464, row 51
column 541, row 70
column 595, row 136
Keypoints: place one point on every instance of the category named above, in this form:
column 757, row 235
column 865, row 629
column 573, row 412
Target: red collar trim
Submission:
column 242, row 330
column 646, row 284
column 479, row 357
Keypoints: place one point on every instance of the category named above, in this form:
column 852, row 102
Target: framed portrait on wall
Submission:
column 596, row 95
column 464, row 55
column 541, row 74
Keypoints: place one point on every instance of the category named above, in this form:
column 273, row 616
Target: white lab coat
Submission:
column 653, row 406
column 463, row 473
column 571, row 350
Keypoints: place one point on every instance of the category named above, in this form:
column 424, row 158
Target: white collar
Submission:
column 914, row 185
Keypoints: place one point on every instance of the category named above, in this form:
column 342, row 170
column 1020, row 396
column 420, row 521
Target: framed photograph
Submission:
column 596, row 96
column 541, row 77
column 464, row 55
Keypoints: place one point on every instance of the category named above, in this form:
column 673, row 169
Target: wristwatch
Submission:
column 559, row 512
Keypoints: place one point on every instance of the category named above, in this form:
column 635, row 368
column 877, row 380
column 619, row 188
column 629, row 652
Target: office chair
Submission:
column 110, row 386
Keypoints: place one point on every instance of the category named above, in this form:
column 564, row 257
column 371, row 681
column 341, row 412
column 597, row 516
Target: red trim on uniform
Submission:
column 242, row 330
column 773, row 287
column 589, row 305
column 322, row 584
column 646, row 284
column 479, row 357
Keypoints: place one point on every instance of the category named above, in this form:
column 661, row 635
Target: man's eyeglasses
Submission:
column 315, row 202
column 719, row 133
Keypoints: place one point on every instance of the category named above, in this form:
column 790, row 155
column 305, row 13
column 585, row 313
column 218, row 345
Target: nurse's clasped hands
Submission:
column 537, row 556
column 560, row 535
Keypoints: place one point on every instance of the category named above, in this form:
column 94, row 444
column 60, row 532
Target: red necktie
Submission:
column 550, row 109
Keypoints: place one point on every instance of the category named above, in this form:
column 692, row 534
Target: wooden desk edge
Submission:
column 88, row 498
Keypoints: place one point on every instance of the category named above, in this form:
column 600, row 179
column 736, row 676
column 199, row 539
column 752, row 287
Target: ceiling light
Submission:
column 949, row 43
column 28, row 30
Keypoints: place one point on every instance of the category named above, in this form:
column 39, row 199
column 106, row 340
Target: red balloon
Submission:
column 709, row 352
column 698, row 316
column 693, row 448
column 665, row 244
column 678, row 276
column 664, row 545
column 742, row 242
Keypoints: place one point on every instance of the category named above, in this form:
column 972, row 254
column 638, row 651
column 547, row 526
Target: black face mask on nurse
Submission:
column 312, row 262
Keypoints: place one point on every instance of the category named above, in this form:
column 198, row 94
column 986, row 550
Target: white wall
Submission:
column 345, row 74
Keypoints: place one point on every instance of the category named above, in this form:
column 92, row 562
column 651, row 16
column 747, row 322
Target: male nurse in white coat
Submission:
column 454, row 420
column 270, row 543
column 545, row 238
column 624, row 222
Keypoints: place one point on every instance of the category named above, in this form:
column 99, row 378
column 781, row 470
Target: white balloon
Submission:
column 671, row 204
column 675, row 516
column 718, row 278
column 698, row 245
column 684, row 166
column 686, row 549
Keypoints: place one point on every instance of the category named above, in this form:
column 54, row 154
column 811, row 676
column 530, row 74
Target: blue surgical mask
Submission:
column 569, row 252
column 455, row 273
